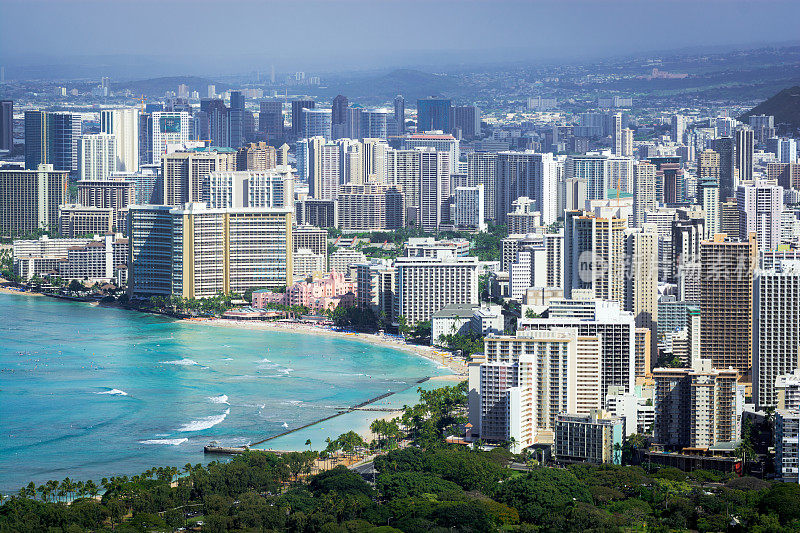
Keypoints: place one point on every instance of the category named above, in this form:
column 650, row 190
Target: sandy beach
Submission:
column 454, row 364
column 6, row 288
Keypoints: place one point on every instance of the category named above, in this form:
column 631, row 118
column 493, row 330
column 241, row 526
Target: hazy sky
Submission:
column 228, row 36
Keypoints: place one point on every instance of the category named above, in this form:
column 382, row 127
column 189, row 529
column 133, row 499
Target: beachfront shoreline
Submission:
column 457, row 366
column 5, row 288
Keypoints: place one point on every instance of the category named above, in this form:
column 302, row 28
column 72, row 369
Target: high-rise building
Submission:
column 481, row 171
column 370, row 207
column 377, row 123
column 108, row 193
column 423, row 176
column 124, row 125
column 375, row 286
column 620, row 174
column 787, row 390
column 351, row 129
column 238, row 189
column 526, row 174
column 400, row 114
column 696, row 407
column 601, row 171
column 344, row 261
column 726, row 301
column 468, row 208
column 197, row 252
column 574, row 194
column 594, row 248
column 425, row 285
column 688, row 232
column 145, row 139
column 644, row 191
column 270, row 119
column 465, row 119
column 591, row 168
column 439, row 142
column 77, row 220
column 709, row 200
column 184, row 173
column 29, row 199
column 52, row 138
column 315, row 123
column 323, row 169
column 615, row 330
column 101, row 258
column 434, row 189
column 169, row 127
column 641, row 278
column 433, row 114
column 148, row 184
column 321, row 213
column 98, row 156
column 708, row 169
column 215, row 122
column 339, row 117
column 307, row 264
column 311, row 238
column 729, row 218
column 678, row 128
column 256, row 156
column 593, row 438
column 6, row 125
column 673, row 187
column 785, row 150
column 776, row 329
column 627, row 142
column 524, row 218
column 743, row 154
column 373, row 160
column 724, row 126
column 763, row 127
column 760, row 205
column 526, row 381
column 728, row 175
column 297, row 108
column 786, row 442
column 616, row 134
column 237, row 114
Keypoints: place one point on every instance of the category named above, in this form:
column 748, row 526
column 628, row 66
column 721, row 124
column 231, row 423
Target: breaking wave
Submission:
column 204, row 423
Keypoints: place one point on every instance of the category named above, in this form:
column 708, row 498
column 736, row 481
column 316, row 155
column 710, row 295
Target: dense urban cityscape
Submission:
column 492, row 296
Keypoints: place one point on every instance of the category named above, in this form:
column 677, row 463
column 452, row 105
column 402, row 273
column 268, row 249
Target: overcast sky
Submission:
column 229, row 36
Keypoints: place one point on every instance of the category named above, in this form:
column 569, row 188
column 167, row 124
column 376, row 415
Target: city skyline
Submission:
column 399, row 266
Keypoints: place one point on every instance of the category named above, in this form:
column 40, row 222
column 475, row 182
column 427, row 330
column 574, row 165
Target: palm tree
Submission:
column 617, row 452
column 28, row 491
column 91, row 488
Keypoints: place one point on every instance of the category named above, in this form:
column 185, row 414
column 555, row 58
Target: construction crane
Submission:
column 142, row 99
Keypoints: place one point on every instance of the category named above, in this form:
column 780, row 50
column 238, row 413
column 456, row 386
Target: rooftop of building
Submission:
column 456, row 311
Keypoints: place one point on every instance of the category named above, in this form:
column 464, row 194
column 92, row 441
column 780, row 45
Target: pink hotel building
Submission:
column 324, row 293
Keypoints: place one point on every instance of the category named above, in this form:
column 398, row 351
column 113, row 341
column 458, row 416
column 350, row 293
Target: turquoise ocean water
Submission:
column 88, row 392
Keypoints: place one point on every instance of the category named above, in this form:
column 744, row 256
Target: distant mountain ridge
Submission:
column 784, row 106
